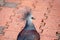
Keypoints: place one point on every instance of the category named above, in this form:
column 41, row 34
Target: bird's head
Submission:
column 28, row 16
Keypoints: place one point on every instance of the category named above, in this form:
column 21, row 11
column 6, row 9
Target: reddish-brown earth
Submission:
column 46, row 13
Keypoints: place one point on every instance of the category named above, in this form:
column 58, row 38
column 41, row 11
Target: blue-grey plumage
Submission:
column 29, row 26
column 29, row 32
column 28, row 35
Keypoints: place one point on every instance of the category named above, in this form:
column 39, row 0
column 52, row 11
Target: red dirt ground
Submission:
column 46, row 13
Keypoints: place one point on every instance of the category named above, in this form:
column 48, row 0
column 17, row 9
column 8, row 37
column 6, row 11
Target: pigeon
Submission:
column 28, row 32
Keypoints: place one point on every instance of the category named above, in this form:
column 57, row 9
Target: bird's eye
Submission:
column 32, row 18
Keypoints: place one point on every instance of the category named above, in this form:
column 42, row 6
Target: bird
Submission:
column 29, row 31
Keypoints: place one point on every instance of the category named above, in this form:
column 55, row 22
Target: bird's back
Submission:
column 29, row 35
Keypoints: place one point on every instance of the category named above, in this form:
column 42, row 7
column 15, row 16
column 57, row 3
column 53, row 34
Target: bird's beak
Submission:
column 33, row 18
